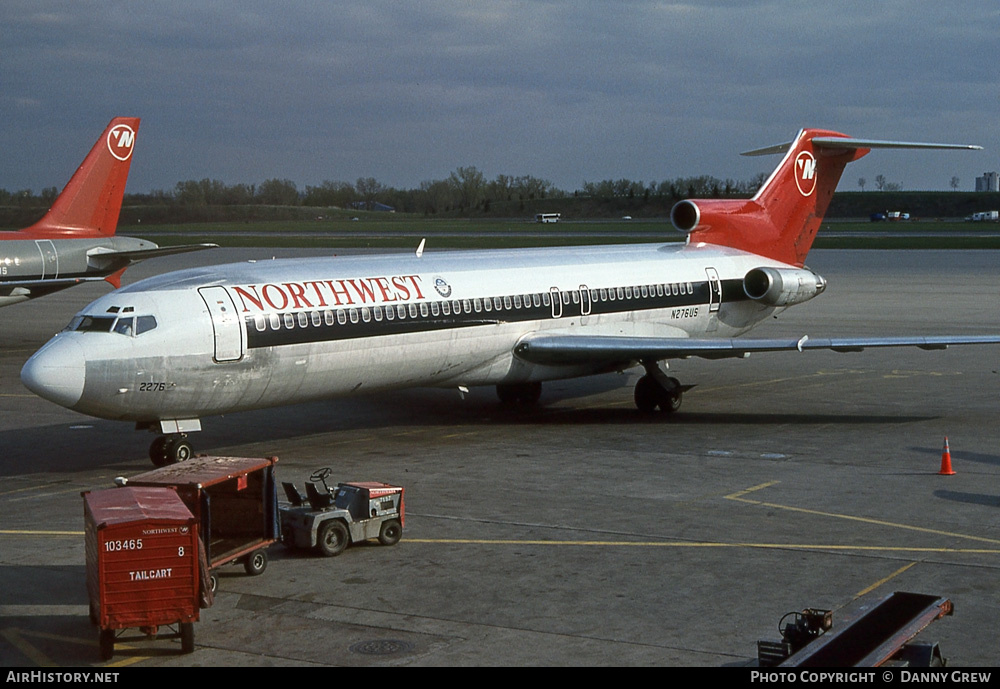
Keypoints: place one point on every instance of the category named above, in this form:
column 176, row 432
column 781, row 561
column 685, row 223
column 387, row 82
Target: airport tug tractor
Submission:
column 328, row 519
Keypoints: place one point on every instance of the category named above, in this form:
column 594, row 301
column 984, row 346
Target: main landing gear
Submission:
column 170, row 449
column 525, row 394
column 657, row 390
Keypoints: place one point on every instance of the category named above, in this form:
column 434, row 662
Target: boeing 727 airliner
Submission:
column 167, row 351
column 75, row 241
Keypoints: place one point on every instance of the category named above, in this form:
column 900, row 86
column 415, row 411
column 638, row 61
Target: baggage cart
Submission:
column 142, row 564
column 235, row 502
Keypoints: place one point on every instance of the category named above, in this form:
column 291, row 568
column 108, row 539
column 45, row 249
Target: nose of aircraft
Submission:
column 56, row 372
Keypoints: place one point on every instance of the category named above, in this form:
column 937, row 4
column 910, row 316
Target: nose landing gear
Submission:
column 170, row 449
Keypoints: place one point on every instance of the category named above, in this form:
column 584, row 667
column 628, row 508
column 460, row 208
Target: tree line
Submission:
column 466, row 191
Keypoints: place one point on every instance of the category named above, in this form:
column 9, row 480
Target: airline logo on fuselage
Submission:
column 805, row 173
column 121, row 138
column 323, row 294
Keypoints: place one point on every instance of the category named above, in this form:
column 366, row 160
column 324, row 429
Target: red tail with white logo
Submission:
column 781, row 221
column 90, row 203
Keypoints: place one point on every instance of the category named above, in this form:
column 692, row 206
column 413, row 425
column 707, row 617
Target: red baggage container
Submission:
column 235, row 501
column 142, row 563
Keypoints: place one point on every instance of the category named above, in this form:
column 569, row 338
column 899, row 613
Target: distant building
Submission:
column 990, row 181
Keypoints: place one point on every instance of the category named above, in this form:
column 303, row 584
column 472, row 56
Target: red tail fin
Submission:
column 90, row 203
column 781, row 221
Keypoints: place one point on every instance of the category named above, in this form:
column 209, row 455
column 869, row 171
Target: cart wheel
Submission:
column 332, row 538
column 256, row 562
column 187, row 637
column 390, row 533
column 107, row 643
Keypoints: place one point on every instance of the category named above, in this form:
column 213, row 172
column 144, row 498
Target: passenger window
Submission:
column 342, row 316
column 303, row 319
column 289, row 320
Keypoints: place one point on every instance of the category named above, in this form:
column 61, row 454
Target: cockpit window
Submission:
column 95, row 324
column 124, row 325
column 144, row 324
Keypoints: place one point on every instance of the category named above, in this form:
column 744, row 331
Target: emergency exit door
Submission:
column 225, row 323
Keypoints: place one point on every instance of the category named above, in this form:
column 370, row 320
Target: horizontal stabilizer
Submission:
column 570, row 350
column 847, row 143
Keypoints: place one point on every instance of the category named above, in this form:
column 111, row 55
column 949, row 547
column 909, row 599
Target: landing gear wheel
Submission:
column 525, row 394
column 646, row 395
column 158, row 451
column 255, row 563
column 179, row 450
column 332, row 538
column 390, row 533
column 650, row 395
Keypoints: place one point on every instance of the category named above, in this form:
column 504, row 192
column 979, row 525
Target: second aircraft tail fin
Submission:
column 91, row 202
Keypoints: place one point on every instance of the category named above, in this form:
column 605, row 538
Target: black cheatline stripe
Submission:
column 732, row 290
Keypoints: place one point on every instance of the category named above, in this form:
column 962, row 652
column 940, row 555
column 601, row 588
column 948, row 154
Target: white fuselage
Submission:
column 213, row 340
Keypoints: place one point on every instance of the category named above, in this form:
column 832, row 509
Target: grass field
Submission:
column 396, row 231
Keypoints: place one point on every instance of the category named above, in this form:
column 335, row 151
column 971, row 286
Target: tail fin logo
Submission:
column 805, row 173
column 121, row 138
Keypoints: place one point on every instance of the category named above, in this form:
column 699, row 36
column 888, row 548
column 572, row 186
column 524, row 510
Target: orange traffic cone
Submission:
column 946, row 460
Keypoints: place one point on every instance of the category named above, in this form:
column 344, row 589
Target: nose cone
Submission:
column 56, row 372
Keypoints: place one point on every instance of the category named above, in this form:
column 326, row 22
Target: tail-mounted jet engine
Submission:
column 782, row 286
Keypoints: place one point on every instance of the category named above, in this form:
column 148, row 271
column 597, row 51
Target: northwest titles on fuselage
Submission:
column 314, row 294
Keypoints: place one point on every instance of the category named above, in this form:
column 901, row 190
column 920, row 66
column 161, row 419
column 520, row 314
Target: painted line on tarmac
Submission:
column 739, row 497
column 18, row 638
column 695, row 544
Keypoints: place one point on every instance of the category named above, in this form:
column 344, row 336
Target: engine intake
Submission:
column 782, row 286
column 685, row 216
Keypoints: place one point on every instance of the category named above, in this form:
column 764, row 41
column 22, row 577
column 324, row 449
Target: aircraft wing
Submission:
column 597, row 349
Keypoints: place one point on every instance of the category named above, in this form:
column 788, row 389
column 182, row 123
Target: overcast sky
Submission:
column 566, row 90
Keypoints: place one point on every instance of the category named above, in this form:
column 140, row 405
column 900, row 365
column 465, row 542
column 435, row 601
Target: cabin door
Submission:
column 225, row 323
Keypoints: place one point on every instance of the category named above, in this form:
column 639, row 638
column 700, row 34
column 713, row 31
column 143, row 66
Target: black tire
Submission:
column 673, row 401
column 646, row 395
column 107, row 644
column 179, row 450
column 391, row 532
column 525, row 394
column 255, row 563
column 187, row 637
column 158, row 451
column 332, row 538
